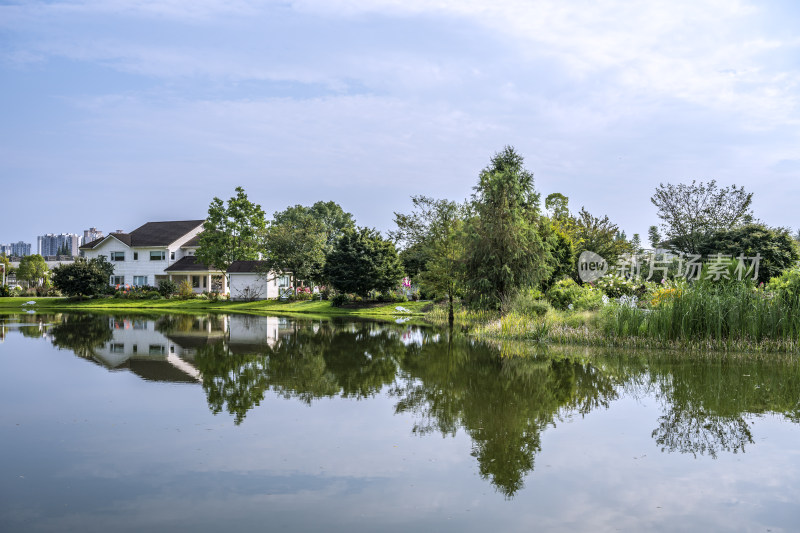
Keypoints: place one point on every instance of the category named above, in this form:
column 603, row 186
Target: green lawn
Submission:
column 315, row 307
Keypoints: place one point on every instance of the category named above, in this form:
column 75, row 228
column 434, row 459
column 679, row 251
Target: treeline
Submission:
column 489, row 248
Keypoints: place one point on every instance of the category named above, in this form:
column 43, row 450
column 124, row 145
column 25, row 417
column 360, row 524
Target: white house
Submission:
column 157, row 251
column 250, row 281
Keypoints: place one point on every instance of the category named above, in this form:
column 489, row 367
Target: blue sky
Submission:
column 118, row 112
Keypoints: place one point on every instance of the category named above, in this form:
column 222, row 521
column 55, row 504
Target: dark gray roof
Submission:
column 194, row 242
column 92, row 244
column 247, row 266
column 151, row 234
column 187, row 264
column 162, row 233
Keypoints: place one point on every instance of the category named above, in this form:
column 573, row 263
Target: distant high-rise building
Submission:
column 91, row 234
column 52, row 244
column 16, row 249
column 20, row 249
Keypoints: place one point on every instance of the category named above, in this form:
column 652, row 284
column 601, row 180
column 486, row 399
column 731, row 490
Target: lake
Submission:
column 235, row 422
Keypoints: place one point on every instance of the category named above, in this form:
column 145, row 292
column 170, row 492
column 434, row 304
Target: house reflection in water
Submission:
column 251, row 334
column 136, row 344
column 164, row 349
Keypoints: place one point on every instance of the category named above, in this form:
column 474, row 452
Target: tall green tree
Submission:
column 557, row 206
column 334, row 220
column 83, row 278
column 636, row 244
column 33, row 269
column 562, row 250
column 231, row 233
column 689, row 212
column 362, row 261
column 435, row 229
column 599, row 235
column 506, row 251
column 295, row 244
column 654, row 237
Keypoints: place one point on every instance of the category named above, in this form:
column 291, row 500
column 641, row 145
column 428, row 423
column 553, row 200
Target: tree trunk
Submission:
column 450, row 315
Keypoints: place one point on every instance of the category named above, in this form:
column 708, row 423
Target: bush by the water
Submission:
column 530, row 303
column 786, row 287
column 566, row 294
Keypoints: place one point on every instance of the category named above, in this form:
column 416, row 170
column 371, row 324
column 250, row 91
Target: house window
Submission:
column 158, row 256
column 156, row 349
column 117, row 280
column 135, row 256
column 117, row 347
column 139, row 281
column 195, row 282
column 118, row 256
column 284, row 281
column 172, row 255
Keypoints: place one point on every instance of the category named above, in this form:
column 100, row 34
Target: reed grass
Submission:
column 731, row 316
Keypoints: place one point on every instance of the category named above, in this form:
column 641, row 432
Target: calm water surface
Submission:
column 209, row 423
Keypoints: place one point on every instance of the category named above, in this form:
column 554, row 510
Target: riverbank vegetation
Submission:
column 506, row 267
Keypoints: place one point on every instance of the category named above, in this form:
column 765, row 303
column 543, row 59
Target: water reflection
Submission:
column 503, row 402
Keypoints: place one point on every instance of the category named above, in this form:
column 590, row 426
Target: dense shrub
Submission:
column 391, row 297
column 5, row 291
column 185, row 290
column 83, row 278
column 339, row 300
column 566, row 294
column 302, row 294
column 167, row 287
column 589, row 299
column 217, row 296
column 786, row 287
column 616, row 286
column 528, row 302
column 563, row 293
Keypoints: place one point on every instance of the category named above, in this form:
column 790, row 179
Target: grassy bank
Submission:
column 733, row 318
column 315, row 307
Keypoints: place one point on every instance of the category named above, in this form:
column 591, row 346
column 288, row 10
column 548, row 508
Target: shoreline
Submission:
column 560, row 330
column 308, row 307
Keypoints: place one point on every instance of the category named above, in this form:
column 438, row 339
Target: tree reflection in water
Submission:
column 81, row 333
column 502, row 401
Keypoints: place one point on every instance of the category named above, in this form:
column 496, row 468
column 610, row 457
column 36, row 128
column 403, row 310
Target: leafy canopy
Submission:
column 435, row 232
column 231, row 233
column 295, row 244
column 334, row 221
column 689, row 212
column 362, row 261
column 778, row 251
column 32, row 268
column 300, row 237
